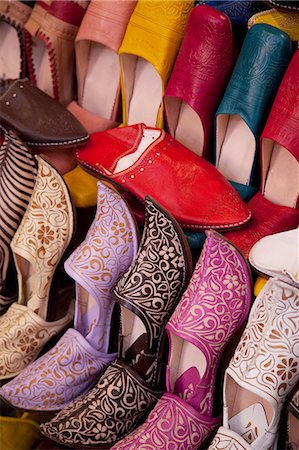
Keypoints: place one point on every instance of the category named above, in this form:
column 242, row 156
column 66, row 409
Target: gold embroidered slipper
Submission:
column 38, row 246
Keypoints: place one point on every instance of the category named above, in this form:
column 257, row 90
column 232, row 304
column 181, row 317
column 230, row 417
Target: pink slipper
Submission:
column 213, row 308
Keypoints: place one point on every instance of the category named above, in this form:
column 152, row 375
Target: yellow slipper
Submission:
column 18, row 433
column 285, row 21
column 82, row 187
column 147, row 54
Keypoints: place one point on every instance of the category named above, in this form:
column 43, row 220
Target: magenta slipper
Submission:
column 77, row 360
column 212, row 309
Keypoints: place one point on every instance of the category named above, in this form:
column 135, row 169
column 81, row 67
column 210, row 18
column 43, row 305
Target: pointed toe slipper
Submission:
column 38, row 246
column 43, row 123
column 98, row 71
column 145, row 160
column 129, row 388
column 203, row 324
column 275, row 208
column 199, row 78
column 81, row 355
column 243, row 111
column 18, row 169
column 147, row 54
column 264, row 370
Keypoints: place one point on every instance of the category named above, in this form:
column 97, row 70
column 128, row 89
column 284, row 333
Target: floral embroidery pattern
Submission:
column 79, row 357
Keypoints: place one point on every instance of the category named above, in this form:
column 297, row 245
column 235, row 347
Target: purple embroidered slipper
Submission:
column 75, row 363
column 212, row 309
column 129, row 388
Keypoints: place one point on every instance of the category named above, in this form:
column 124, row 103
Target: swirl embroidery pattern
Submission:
column 38, row 245
column 170, row 425
column 150, row 288
column 267, row 356
column 77, row 360
column 89, row 421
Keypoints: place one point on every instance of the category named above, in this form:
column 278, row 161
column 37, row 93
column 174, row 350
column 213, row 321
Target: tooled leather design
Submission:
column 283, row 122
column 263, row 59
column 171, row 424
column 238, row 12
column 294, row 404
column 21, row 339
column 44, row 234
column 203, row 53
column 267, row 356
column 112, row 409
column 223, row 441
column 57, row 377
column 152, row 286
column 167, row 22
column 72, row 366
column 213, row 308
column 285, row 21
column 17, row 177
column 106, row 253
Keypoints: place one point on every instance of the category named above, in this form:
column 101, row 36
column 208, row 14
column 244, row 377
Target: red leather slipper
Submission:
column 145, row 160
column 199, row 78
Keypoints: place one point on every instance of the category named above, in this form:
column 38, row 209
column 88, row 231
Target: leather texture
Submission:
column 282, row 127
column 170, row 173
column 227, row 439
column 82, row 354
column 267, row 218
column 277, row 256
column 283, row 122
column 154, row 32
column 39, row 120
column 18, row 432
column 105, row 23
column 184, row 420
column 130, row 387
column 38, row 246
column 202, row 68
column 238, row 12
column 16, row 13
column 286, row 21
column 263, row 59
column 266, row 361
column 18, row 171
column 56, row 23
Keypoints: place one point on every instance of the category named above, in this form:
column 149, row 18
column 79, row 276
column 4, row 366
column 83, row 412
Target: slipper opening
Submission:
column 235, row 148
column 41, row 62
column 143, row 90
column 280, row 174
column 184, row 124
column 10, row 53
column 249, row 414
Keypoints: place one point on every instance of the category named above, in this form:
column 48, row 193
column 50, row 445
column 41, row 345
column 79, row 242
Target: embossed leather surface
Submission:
column 266, row 360
column 130, row 387
column 207, row 316
column 282, row 127
column 202, row 67
column 263, row 59
column 238, row 11
column 189, row 187
column 283, row 122
column 286, row 21
column 155, row 32
column 39, row 120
